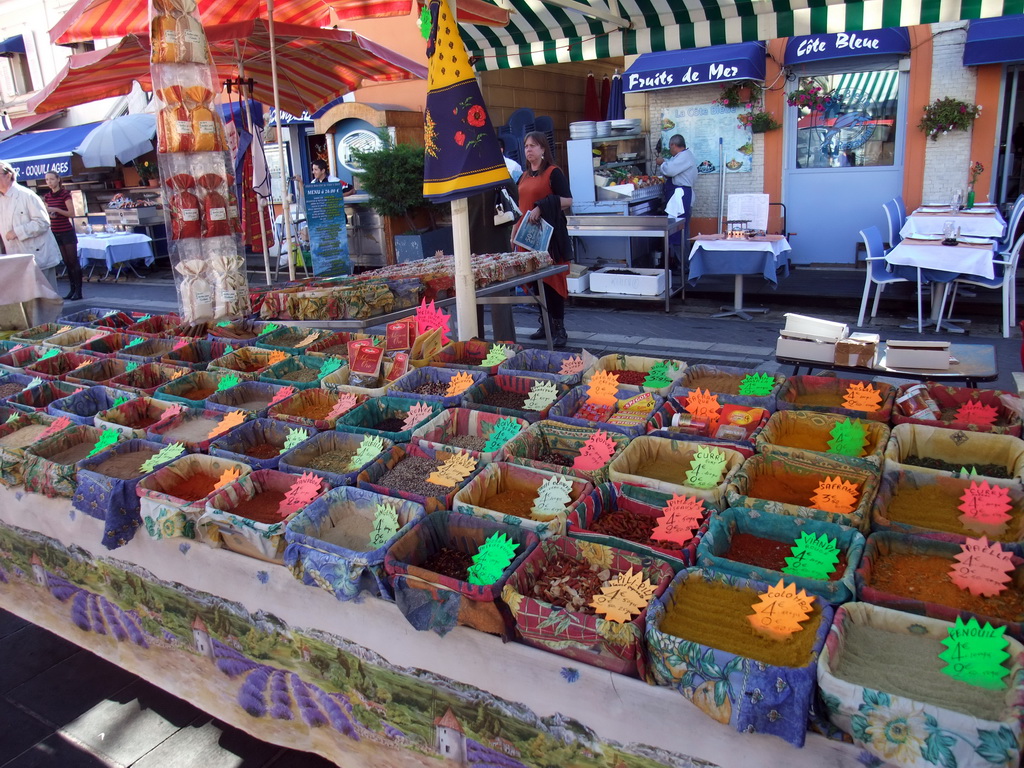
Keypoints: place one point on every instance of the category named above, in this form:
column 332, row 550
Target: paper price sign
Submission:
column 282, row 394
column 107, row 439
column 595, row 453
column 985, row 507
column 494, row 556
column 178, row 374
column 836, row 495
column 624, row 597
column 228, row 476
column 416, row 414
column 976, row 654
column 224, row 324
column 981, row 568
column 268, row 328
column 51, row 352
column 813, row 557
column 134, row 342
column 965, row 475
column 169, row 412
column 181, row 344
column 307, row 340
column 331, row 364
column 84, row 363
column 861, row 396
column 228, row 349
column 63, row 329
column 658, row 377
column 277, row 356
column 120, row 401
column 457, row 468
column 497, row 354
column 781, row 611
column 571, row 366
column 303, row 491
column 230, row 421
column 144, row 318
column 12, row 417
column 129, row 367
column 504, row 430
column 703, row 405
column 346, row 402
column 458, row 384
column 552, row 497
column 602, row 389
column 848, row 438
column 228, row 381
column 367, row 451
column 429, row 317
column 385, row 525
column 706, row 468
column 683, row 515
column 542, row 395
column 974, row 412
column 62, row 422
column 293, row 438
column 757, row 385
column 35, row 381
column 172, row 451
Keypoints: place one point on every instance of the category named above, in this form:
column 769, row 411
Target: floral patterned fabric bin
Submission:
column 797, row 389
column 469, row 355
column 565, row 411
column 452, row 423
column 541, row 364
column 249, row 396
column 37, row 333
column 905, row 731
column 296, row 461
column 92, row 316
column 20, row 358
column 107, row 345
column 50, row 478
column 12, row 458
column 951, row 399
column 431, row 601
column 346, row 573
column 70, row 341
column 113, row 500
column 406, row 385
column 277, row 373
column 787, row 429
column 98, row 372
column 134, row 417
column 619, row 362
column 83, row 406
column 168, row 431
column 696, row 375
column 364, row 418
column 178, row 390
column 585, row 637
column 290, row 410
column 150, row 350
column 611, row 497
column 563, row 440
column 288, row 339
column 475, row 396
column 814, row 468
column 223, row 525
column 751, row 696
column 961, row 449
column 234, row 444
column 156, row 326
column 57, row 367
column 443, row 498
column 38, row 397
column 164, row 515
column 713, row 552
column 197, row 355
column 339, row 381
column 247, row 363
column 660, row 424
column 148, row 378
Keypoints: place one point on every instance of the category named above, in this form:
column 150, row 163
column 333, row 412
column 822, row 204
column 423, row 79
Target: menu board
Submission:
column 328, row 236
column 702, row 125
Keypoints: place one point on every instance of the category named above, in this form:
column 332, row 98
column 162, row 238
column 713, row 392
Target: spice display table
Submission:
column 115, row 250
column 197, row 621
column 974, row 363
column 719, row 255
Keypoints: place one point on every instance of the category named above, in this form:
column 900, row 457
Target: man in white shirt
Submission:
column 515, row 170
column 679, row 170
column 25, row 224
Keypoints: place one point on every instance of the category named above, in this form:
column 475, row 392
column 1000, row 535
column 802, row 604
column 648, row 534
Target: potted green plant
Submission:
column 945, row 115
column 147, row 171
column 739, row 93
column 392, row 176
column 759, row 121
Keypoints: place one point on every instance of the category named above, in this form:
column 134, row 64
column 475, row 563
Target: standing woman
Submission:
column 544, row 194
column 61, row 210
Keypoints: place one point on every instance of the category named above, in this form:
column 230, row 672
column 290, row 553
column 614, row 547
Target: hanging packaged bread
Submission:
column 178, row 38
column 236, row 222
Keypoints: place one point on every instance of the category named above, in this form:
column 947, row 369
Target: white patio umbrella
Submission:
column 123, row 138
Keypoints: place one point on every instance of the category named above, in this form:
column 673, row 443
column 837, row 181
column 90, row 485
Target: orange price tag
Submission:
column 683, row 514
column 277, row 356
column 178, row 374
column 625, row 596
column 229, row 476
column 602, row 389
column 974, row 412
column 981, row 568
column 233, row 419
column 456, row 469
column 986, row 508
column 836, row 495
column 780, row 611
column 703, row 405
column 861, row 396
column 458, row 384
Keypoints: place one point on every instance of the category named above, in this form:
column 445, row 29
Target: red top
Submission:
column 532, row 189
column 59, row 199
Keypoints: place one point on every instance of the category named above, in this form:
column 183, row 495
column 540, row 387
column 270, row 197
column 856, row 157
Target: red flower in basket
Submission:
column 476, row 117
column 460, row 138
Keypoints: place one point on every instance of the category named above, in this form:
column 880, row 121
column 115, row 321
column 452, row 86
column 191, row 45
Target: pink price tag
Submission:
column 303, row 490
column 282, row 394
column 61, row 423
column 595, row 453
column 170, row 413
column 346, row 402
column 974, row 412
column 985, row 507
column 982, row 568
column 683, row 515
column 182, row 343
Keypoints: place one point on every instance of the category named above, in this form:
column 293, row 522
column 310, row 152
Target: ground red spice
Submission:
column 311, row 410
column 140, row 421
column 786, row 487
column 263, row 450
column 518, row 503
column 248, row 366
column 629, row 377
column 263, row 507
column 449, row 562
column 200, row 393
column 194, row 487
column 830, row 399
column 769, row 553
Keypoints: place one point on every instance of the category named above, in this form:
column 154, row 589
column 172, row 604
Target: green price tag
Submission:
column 294, row 437
column 35, row 381
column 134, row 342
column 331, row 364
column 757, row 384
column 228, row 348
column 813, row 557
column 144, row 318
column 12, row 417
column 385, row 525
column 706, row 468
column 224, row 324
column 553, row 495
column 542, row 395
column 172, row 451
column 129, row 367
column 107, row 439
column 848, row 438
column 120, row 401
column 976, row 655
column 370, row 446
column 964, row 474
column 491, row 560
column 657, row 377
column 504, row 430
column 497, row 354
column 268, row 328
column 51, row 352
column 230, row 380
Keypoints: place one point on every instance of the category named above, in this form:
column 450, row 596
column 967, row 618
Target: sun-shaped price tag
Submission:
column 836, row 495
column 683, row 515
column 861, row 396
column 542, row 395
column 309, row 339
column 701, row 404
column 458, row 384
column 976, row 654
column 292, row 439
column 282, row 394
column 172, row 451
column 120, row 401
column 595, row 453
column 571, row 366
column 658, row 377
column 624, row 597
column 268, row 328
column 107, row 439
column 429, row 317
column 780, row 611
column 552, row 497
column 602, row 389
column 757, row 385
column 51, row 352
column 134, row 342
column 229, row 475
column 367, row 451
column 966, row 474
column 497, row 354
column 706, row 468
column 35, row 381
column 346, row 402
column 981, row 568
column 230, row 421
column 170, row 412
column 331, row 364
column 87, row 361
column 63, row 329
column 848, row 438
column 277, row 356
column 181, row 344
column 227, row 381
column 61, row 422
column 385, row 525
column 453, row 471
column 986, row 508
column 504, row 430
column 129, row 367
column 303, row 490
column 975, row 412
column 416, row 414
column 177, row 374
column 813, row 557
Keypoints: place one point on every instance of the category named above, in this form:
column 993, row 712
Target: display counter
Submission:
column 245, row 641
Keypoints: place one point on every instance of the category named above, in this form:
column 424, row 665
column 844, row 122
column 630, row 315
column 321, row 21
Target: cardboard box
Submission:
column 814, row 326
column 917, row 355
column 811, row 349
column 646, row 282
column 858, row 350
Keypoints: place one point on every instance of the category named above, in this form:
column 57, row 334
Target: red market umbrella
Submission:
column 606, row 92
column 314, row 65
column 591, row 101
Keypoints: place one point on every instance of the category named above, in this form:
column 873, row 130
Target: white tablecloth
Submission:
column 955, row 259
column 737, row 257
column 982, row 225
column 777, row 247
column 114, row 249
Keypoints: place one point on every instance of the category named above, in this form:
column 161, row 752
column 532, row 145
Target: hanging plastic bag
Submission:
column 215, row 207
column 196, row 292
column 184, row 208
column 178, row 39
column 206, row 126
column 174, row 122
column 675, row 206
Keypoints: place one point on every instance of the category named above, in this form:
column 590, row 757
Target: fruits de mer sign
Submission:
column 717, row 64
column 890, row 41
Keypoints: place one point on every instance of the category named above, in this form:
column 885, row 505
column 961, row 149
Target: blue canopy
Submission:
column 841, row 45
column 36, row 154
column 994, row 41
column 15, row 44
column 696, row 66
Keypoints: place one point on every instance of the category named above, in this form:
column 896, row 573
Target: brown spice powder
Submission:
column 937, row 509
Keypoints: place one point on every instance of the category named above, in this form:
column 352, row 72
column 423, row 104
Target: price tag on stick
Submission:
column 367, row 451
column 602, row 389
column 781, row 611
column 229, row 421
column 172, row 451
column 385, row 525
column 836, row 495
column 861, row 396
column 331, row 364
column 416, row 414
column 976, row 654
column 292, row 439
column 682, row 516
column 813, row 557
column 458, row 384
column 303, row 490
column 706, row 468
column 974, row 412
column 624, row 597
column 595, row 453
column 497, row 354
column 848, row 438
column 504, row 430
column 455, row 469
column 107, row 439
column 657, row 377
column 757, row 385
column 553, row 495
column 61, row 422
column 571, row 366
column 227, row 476
column 494, row 556
column 542, row 395
column 986, row 508
column 346, row 402
column 981, row 568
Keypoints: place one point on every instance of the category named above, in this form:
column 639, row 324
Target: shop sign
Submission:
column 671, row 77
column 893, row 40
column 37, row 168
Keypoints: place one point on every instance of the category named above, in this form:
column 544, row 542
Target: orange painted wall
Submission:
column 918, row 97
column 985, row 132
column 774, row 102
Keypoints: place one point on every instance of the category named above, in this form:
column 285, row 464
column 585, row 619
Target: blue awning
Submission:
column 994, row 41
column 697, row 66
column 892, row 41
column 15, row 44
column 36, row 154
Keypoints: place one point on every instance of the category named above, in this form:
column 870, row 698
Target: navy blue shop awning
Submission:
column 15, row 44
column 994, row 41
column 696, row 66
column 892, row 41
column 36, row 154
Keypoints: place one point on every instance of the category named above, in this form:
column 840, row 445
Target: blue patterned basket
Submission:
column 83, row 406
column 541, row 364
column 296, row 460
column 406, row 385
column 233, row 445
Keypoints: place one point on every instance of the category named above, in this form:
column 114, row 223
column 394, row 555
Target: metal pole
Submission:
column 286, row 198
column 721, row 183
column 261, row 204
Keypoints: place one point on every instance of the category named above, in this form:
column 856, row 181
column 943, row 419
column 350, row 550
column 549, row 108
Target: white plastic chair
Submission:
column 877, row 272
column 1004, row 243
column 1005, row 278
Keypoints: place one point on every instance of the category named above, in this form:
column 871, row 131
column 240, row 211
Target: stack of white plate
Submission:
column 604, row 128
column 626, row 126
column 584, row 129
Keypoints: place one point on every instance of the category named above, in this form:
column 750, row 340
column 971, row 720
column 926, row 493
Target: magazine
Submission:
column 533, row 237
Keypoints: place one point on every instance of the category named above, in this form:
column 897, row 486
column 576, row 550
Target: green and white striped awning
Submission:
column 545, row 33
column 881, row 87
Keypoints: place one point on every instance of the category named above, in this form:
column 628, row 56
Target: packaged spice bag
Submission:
column 214, row 206
column 174, row 122
column 184, row 207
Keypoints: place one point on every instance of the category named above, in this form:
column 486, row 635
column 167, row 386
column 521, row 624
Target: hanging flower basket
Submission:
column 739, row 93
column 945, row 115
column 810, row 97
column 759, row 121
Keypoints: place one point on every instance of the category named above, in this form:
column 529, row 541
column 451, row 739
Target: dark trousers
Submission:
column 679, row 238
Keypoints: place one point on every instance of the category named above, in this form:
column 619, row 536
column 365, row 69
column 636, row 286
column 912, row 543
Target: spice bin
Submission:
column 385, row 416
column 462, row 429
column 38, row 397
column 309, row 407
column 469, row 355
column 259, row 443
column 567, row 408
column 935, row 449
column 797, row 433
column 148, row 378
column 631, row 370
column 339, row 381
column 725, row 380
column 249, row 396
column 57, row 367
column 423, row 383
column 950, row 400
column 507, row 396
column 83, row 406
column 50, row 465
column 191, row 389
column 247, row 363
column 134, row 417
column 191, row 427
column 298, row 371
column 16, row 436
column 672, row 420
column 101, row 371
column 71, row 341
column 107, row 345
column 197, row 354
column 329, row 455
column 542, row 364
column 664, row 464
column 826, row 394
column 555, row 447
column 410, row 480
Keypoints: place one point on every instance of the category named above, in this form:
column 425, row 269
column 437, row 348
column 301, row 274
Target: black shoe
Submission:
column 559, row 337
column 70, row 296
column 77, row 296
column 538, row 334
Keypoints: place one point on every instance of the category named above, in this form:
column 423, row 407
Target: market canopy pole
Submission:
column 461, row 153
column 286, row 198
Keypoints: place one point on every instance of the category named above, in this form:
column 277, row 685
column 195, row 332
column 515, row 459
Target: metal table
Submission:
column 632, row 226
column 486, row 296
column 975, row 362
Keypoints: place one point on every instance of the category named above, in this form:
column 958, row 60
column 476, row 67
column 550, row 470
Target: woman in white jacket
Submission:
column 25, row 224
